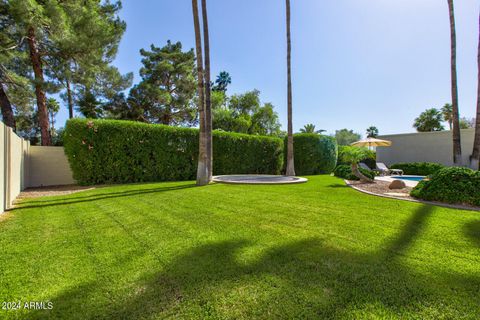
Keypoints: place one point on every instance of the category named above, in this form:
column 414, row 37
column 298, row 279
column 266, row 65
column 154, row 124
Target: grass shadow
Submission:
column 472, row 230
column 97, row 196
column 303, row 278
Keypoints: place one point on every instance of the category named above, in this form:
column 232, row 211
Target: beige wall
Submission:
column 23, row 166
column 48, row 166
column 424, row 147
column 13, row 166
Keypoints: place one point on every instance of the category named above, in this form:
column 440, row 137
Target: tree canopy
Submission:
column 429, row 120
column 346, row 137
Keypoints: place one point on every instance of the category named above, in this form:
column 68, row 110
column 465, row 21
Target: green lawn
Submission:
column 172, row 250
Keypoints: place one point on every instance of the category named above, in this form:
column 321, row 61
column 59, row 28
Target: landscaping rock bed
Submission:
column 382, row 188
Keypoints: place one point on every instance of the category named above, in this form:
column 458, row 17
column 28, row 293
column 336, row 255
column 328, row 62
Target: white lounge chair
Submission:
column 386, row 171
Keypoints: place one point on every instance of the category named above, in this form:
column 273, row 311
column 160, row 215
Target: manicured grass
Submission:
column 172, row 250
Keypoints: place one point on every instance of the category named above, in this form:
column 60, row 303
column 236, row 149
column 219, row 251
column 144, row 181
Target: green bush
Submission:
column 369, row 160
column 418, row 168
column 313, row 153
column 451, row 185
column 345, row 171
column 110, row 151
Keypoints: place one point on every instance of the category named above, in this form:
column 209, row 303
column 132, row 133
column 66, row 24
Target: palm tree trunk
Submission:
column 290, row 161
column 7, row 111
column 357, row 173
column 202, row 169
column 457, row 147
column 70, row 100
column 208, row 104
column 475, row 162
column 39, row 92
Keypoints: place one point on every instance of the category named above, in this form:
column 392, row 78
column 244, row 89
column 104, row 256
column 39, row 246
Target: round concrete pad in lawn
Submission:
column 258, row 179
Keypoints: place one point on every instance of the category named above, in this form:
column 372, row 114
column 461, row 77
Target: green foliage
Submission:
column 345, row 172
column 372, row 132
column 244, row 113
column 310, row 128
column 346, row 137
column 222, row 82
column 313, row 153
column 166, row 92
column 109, row 151
column 429, row 120
column 369, row 159
column 451, row 185
column 447, row 114
column 418, row 168
column 350, row 154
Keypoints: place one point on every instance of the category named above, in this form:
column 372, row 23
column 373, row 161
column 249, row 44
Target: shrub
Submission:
column 451, row 185
column 418, row 168
column 313, row 153
column 110, row 151
column 369, row 160
column 345, row 171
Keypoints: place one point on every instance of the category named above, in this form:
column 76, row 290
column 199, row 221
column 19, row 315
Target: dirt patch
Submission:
column 381, row 187
column 51, row 191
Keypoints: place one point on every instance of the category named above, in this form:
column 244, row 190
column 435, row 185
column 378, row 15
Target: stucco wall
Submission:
column 48, row 166
column 425, row 147
column 23, row 166
column 13, row 166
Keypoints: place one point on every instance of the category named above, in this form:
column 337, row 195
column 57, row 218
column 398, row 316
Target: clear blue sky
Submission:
column 355, row 63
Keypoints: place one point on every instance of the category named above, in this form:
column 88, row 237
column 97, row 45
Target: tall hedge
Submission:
column 313, row 153
column 110, row 151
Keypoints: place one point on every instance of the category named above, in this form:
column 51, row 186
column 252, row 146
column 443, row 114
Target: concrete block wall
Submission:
column 23, row 166
column 425, row 147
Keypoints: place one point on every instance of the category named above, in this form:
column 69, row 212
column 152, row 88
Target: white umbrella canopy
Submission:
column 372, row 142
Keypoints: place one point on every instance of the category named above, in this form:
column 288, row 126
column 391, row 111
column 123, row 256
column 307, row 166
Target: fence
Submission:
column 23, row 166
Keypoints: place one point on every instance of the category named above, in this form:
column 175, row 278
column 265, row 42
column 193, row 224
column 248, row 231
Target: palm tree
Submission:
column 354, row 155
column 429, row 120
column 372, row 132
column 310, row 128
column 457, row 148
column 202, row 169
column 447, row 111
column 290, row 161
column 208, row 103
column 475, row 162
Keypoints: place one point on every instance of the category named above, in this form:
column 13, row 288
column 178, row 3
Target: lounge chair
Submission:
column 364, row 166
column 386, row 171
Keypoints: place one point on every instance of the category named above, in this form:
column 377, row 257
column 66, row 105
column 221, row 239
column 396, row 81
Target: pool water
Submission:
column 410, row 178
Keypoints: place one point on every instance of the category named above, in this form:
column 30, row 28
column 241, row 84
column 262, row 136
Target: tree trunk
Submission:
column 290, row 161
column 70, row 100
column 208, row 104
column 202, row 169
column 356, row 172
column 7, row 111
column 39, row 92
column 476, row 142
column 457, row 147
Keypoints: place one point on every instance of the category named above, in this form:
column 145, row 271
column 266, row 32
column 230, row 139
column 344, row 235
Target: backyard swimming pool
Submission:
column 410, row 178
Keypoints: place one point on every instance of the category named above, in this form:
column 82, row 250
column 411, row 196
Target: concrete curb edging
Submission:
column 434, row 203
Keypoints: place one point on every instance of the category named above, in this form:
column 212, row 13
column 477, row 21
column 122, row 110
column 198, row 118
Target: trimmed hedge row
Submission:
column 345, row 172
column 418, row 168
column 313, row 153
column 110, row 151
column 451, row 185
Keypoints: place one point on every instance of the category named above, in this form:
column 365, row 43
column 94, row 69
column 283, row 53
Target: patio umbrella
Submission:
column 372, row 142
